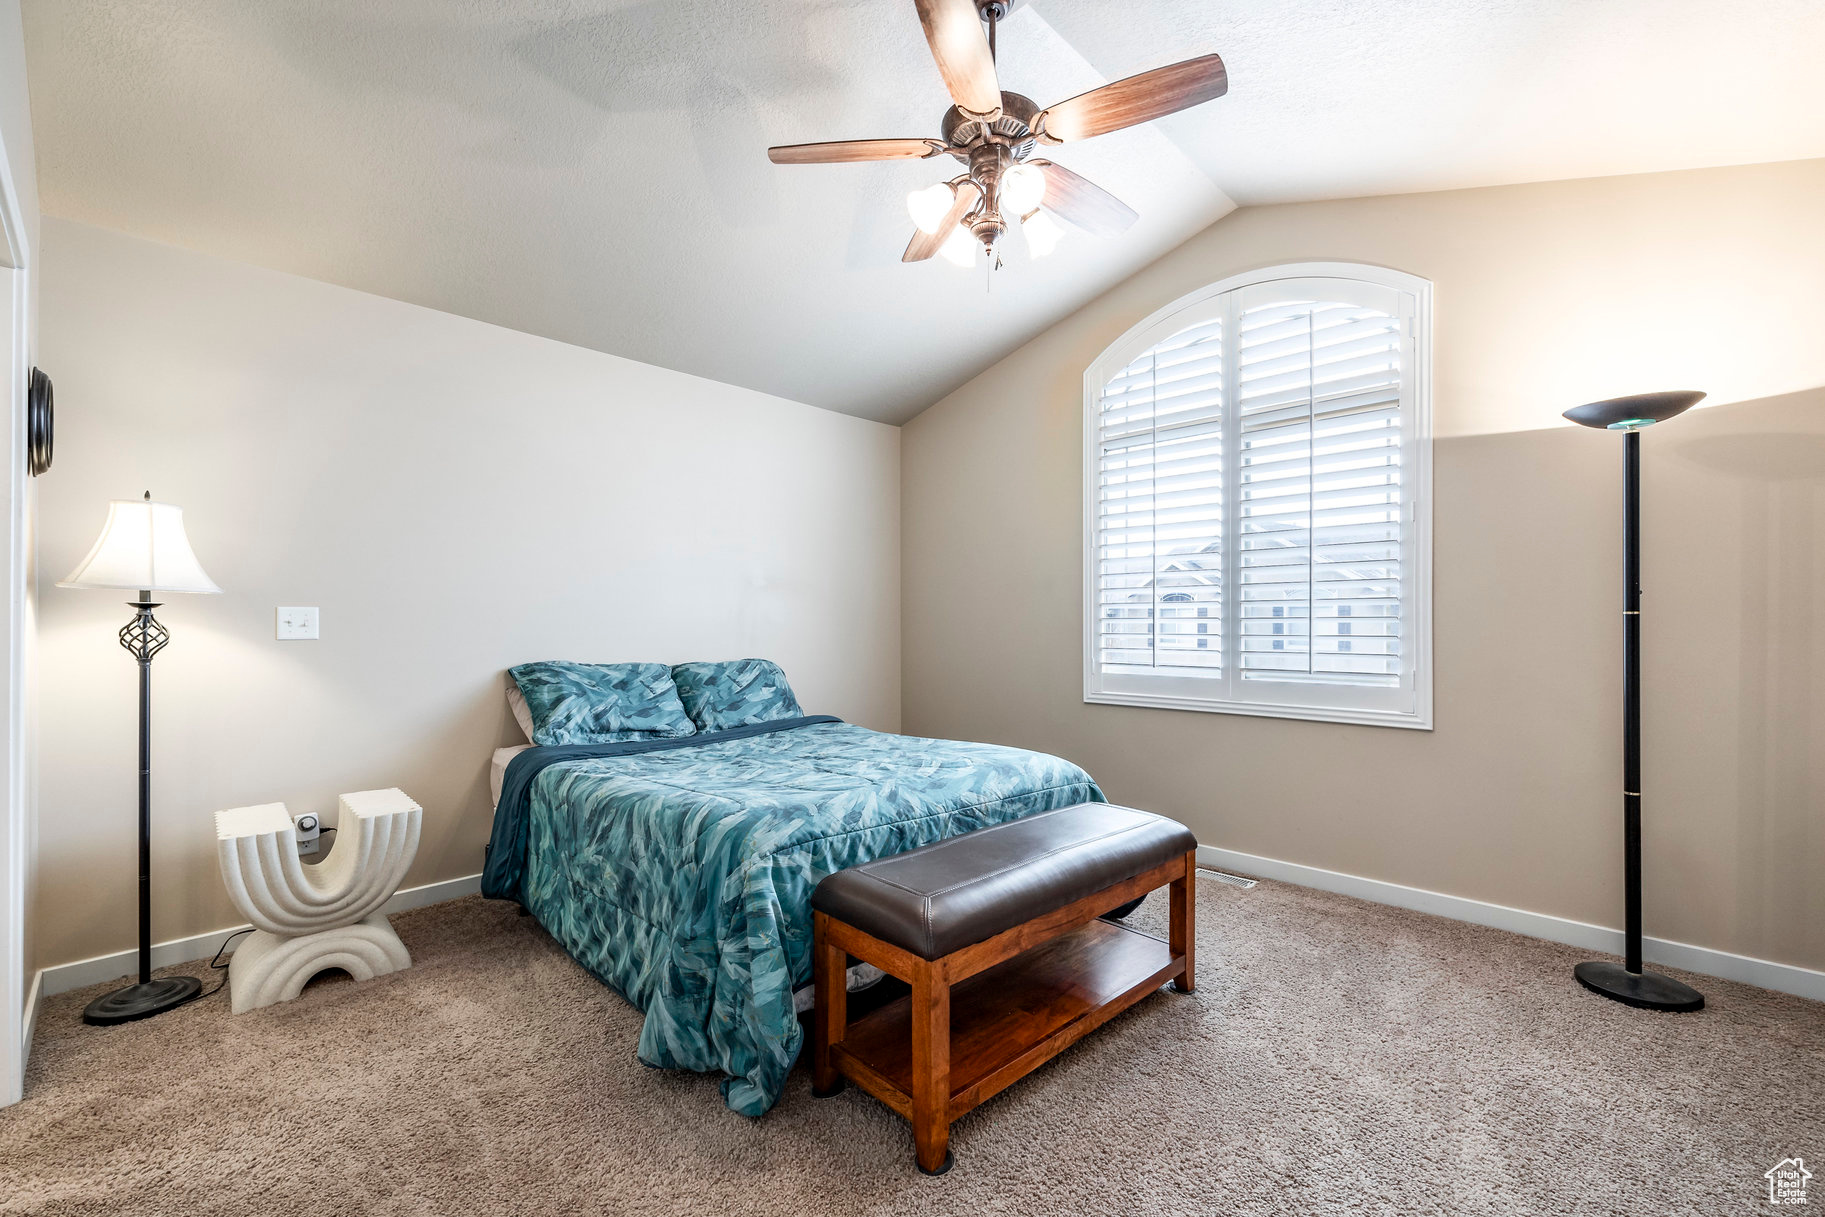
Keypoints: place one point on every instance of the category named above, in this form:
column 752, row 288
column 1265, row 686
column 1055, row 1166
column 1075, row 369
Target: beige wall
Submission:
column 1546, row 296
column 456, row 498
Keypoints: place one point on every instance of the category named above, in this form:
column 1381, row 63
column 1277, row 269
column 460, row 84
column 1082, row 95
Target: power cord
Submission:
column 219, row 966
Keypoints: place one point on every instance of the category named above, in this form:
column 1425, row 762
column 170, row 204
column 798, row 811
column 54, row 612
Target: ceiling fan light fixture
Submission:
column 928, row 207
column 1022, row 188
column 992, row 131
column 1042, row 232
column 960, row 248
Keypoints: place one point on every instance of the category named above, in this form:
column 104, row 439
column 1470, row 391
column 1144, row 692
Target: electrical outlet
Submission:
column 296, row 623
column 310, row 832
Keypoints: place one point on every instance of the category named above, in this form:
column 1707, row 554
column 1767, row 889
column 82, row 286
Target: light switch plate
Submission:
column 296, row 623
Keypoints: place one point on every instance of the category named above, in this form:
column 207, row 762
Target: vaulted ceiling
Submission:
column 595, row 170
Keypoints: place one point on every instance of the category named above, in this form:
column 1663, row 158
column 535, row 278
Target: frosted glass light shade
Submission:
column 1022, row 188
column 960, row 247
column 142, row 547
column 928, row 207
column 1042, row 233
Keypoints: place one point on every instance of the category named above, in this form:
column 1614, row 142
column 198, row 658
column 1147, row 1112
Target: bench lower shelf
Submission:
column 1010, row 1019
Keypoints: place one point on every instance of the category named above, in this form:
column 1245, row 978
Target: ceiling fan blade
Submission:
column 924, row 244
column 1138, row 99
column 854, row 150
column 1082, row 202
column 954, row 30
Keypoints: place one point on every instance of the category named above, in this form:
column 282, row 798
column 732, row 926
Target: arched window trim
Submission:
column 1312, row 700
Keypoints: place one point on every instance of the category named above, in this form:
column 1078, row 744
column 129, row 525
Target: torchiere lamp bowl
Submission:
column 1627, row 982
column 1633, row 413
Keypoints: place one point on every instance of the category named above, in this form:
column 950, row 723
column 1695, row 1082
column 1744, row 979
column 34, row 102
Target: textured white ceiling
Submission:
column 1340, row 98
column 595, row 170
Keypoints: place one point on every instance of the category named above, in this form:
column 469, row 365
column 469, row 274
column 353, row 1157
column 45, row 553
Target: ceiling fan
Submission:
column 995, row 133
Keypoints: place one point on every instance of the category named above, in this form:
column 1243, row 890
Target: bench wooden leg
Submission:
column 1184, row 923
column 931, row 1068
column 830, row 1011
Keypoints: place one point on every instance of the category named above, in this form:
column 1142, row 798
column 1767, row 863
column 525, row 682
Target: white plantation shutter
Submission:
column 1319, row 393
column 1255, row 460
column 1159, row 507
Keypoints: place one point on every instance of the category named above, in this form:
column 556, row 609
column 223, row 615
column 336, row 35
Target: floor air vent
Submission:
column 1225, row 877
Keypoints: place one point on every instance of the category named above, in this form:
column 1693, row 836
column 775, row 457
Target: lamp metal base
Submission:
column 1643, row 990
column 141, row 1001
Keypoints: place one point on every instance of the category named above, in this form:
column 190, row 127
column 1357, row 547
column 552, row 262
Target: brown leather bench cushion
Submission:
column 947, row 895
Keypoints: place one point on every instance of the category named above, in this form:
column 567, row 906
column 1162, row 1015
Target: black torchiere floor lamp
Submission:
column 143, row 548
column 1628, row 983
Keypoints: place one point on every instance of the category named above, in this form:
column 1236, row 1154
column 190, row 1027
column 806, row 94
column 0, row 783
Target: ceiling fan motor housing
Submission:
column 990, row 149
column 988, row 164
column 1014, row 125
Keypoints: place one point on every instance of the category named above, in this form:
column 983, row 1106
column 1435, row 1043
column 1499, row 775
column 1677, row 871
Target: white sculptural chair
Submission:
column 308, row 919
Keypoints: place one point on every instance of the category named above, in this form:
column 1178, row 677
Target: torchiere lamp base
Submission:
column 141, row 1000
column 1643, row 990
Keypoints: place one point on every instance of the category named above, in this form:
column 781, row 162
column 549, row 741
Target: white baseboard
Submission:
column 1785, row 978
column 84, row 972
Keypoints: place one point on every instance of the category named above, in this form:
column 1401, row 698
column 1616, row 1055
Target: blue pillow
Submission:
column 735, row 693
column 601, row 703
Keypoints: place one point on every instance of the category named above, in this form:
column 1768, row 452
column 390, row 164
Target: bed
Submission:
column 679, row 871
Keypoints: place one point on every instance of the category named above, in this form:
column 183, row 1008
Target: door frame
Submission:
column 17, row 265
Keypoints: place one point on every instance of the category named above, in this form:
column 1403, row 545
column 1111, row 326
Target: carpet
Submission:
column 1338, row 1056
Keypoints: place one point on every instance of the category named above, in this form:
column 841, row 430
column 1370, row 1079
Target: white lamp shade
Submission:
column 142, row 546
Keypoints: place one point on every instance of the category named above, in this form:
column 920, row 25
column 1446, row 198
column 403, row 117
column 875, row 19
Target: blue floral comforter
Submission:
column 681, row 874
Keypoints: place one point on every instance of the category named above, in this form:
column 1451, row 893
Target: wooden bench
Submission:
column 998, row 933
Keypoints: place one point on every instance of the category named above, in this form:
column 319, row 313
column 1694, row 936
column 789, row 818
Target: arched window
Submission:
column 1257, row 474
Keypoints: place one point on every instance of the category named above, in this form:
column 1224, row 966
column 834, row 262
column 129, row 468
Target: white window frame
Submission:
column 1408, row 706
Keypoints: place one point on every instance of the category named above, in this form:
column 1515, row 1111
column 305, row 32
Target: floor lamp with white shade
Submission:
column 143, row 548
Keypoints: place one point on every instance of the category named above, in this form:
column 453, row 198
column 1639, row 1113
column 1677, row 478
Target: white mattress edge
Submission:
column 497, row 772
